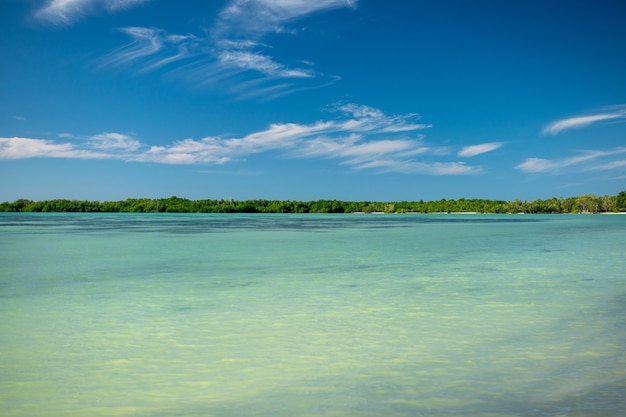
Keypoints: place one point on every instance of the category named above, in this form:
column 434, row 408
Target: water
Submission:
column 312, row 315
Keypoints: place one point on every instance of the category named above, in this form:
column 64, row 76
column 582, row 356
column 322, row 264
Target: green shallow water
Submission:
column 312, row 315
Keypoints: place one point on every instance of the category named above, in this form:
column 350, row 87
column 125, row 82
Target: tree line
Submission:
column 581, row 204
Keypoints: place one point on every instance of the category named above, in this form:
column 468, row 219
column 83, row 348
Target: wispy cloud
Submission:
column 612, row 113
column 145, row 42
column 474, row 150
column 22, row 148
column 362, row 138
column 585, row 161
column 255, row 18
column 240, row 26
column 353, row 139
column 102, row 146
column 354, row 150
column 225, row 56
column 114, row 142
column 150, row 49
column 610, row 165
column 230, row 55
column 248, row 60
column 66, row 12
column 441, row 168
column 20, row 118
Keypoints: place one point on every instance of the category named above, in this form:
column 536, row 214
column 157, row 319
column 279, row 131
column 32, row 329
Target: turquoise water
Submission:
column 312, row 315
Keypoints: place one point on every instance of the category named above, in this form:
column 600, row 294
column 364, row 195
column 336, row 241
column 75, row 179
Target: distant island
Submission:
column 582, row 204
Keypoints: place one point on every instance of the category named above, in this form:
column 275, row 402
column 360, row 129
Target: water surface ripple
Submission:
column 195, row 315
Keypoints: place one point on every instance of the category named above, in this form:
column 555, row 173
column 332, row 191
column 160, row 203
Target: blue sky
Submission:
column 304, row 100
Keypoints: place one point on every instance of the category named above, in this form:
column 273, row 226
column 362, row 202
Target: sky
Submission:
column 365, row 100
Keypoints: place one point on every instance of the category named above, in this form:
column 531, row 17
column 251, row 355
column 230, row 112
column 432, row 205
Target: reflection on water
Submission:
column 254, row 315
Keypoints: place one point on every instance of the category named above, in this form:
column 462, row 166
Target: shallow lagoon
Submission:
column 312, row 315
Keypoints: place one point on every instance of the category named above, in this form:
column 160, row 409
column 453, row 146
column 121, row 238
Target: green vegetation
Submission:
column 582, row 204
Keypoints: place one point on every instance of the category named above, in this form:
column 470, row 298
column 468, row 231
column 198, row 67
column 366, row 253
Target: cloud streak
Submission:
column 230, row 55
column 67, row 12
column 614, row 113
column 470, row 151
column 150, row 49
column 364, row 138
column 585, row 161
column 237, row 32
column 249, row 60
column 114, row 142
column 22, row 148
column 255, row 18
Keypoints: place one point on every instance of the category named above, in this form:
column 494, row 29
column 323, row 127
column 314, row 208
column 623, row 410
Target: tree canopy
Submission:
column 582, row 204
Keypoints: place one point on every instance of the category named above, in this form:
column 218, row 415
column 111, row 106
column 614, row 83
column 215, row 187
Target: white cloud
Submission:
column 150, row 49
column 66, row 12
column 146, row 41
column 428, row 168
column 534, row 165
column 113, row 5
column 451, row 168
column 363, row 138
column 387, row 155
column 254, row 18
column 368, row 119
column 22, row 148
column 355, row 150
column 537, row 165
column 359, row 110
column 616, row 112
column 474, row 150
column 254, row 61
column 610, row 165
column 102, row 146
column 114, row 142
column 229, row 55
column 238, row 50
column 187, row 152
